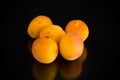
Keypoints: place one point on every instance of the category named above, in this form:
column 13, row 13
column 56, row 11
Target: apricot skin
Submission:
column 54, row 32
column 71, row 46
column 79, row 27
column 44, row 50
column 36, row 25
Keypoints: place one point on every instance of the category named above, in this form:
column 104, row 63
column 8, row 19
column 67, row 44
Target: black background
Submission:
column 101, row 18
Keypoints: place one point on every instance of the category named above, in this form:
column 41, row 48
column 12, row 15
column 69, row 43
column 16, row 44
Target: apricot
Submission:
column 36, row 24
column 54, row 32
column 71, row 46
column 44, row 50
column 70, row 70
column 44, row 71
column 79, row 27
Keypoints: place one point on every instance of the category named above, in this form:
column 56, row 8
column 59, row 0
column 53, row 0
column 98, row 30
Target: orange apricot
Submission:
column 79, row 27
column 44, row 50
column 54, row 32
column 71, row 46
column 37, row 24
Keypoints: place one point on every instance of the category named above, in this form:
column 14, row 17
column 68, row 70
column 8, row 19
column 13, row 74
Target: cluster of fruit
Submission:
column 51, row 39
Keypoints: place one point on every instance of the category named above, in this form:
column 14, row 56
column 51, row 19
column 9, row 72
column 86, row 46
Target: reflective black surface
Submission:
column 102, row 53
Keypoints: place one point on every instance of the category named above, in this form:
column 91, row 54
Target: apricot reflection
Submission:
column 83, row 57
column 71, row 70
column 44, row 71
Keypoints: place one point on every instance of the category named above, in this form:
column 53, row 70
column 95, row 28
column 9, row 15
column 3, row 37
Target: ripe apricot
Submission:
column 79, row 27
column 37, row 24
column 44, row 50
column 71, row 46
column 54, row 32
